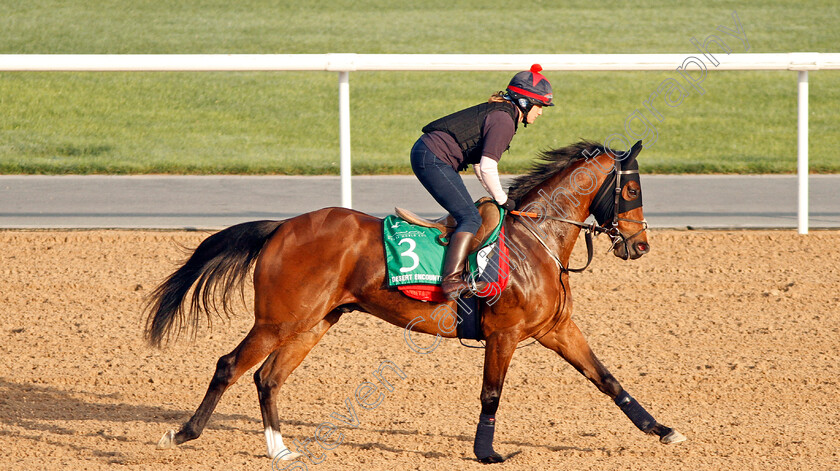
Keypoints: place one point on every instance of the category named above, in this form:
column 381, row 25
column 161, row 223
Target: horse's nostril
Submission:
column 642, row 247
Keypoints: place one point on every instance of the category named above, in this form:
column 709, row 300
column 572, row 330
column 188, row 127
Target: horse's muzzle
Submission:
column 641, row 248
column 631, row 249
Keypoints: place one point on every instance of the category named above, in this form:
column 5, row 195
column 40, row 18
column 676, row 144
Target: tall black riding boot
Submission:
column 453, row 266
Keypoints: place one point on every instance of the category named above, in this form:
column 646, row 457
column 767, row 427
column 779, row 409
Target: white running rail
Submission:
column 801, row 62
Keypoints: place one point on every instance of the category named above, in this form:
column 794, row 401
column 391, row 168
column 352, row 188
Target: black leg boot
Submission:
column 483, row 445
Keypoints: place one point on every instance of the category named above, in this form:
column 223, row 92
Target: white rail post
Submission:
column 802, row 151
column 344, row 137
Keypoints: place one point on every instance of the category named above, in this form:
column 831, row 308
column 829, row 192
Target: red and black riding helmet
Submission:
column 529, row 88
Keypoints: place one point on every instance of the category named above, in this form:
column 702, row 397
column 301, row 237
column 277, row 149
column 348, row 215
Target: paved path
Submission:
column 708, row 201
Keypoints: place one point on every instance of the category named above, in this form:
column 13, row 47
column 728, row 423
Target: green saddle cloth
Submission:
column 415, row 255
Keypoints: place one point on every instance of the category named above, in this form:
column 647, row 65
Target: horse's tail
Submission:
column 220, row 262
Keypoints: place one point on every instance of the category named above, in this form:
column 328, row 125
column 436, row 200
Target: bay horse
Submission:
column 311, row 269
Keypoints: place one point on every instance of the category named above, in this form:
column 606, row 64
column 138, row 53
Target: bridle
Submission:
column 613, row 232
column 615, row 235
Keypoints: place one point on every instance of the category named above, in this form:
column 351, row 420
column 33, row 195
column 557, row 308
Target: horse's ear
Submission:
column 637, row 147
column 629, row 162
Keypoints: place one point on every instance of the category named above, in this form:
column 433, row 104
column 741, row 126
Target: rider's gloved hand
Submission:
column 509, row 205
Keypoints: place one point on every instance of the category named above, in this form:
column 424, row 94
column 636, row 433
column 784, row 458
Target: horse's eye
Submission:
column 631, row 191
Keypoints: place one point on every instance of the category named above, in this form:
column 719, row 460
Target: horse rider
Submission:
column 477, row 135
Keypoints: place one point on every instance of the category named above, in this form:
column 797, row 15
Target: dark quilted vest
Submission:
column 465, row 127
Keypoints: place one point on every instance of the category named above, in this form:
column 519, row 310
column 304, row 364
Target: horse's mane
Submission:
column 550, row 163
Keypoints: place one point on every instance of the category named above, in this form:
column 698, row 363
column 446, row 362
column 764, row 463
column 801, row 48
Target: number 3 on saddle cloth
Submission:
column 415, row 254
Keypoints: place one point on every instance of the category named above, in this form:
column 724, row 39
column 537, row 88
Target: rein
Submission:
column 588, row 230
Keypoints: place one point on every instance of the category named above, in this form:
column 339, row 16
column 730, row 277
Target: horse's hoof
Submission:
column 167, row 441
column 673, row 437
column 494, row 458
column 287, row 455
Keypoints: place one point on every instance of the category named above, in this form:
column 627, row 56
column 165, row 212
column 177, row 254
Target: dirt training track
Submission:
column 733, row 338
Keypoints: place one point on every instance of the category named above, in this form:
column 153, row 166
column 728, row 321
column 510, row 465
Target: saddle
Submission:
column 487, row 208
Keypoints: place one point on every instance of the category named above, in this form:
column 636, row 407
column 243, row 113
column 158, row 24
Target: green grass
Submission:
column 287, row 122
